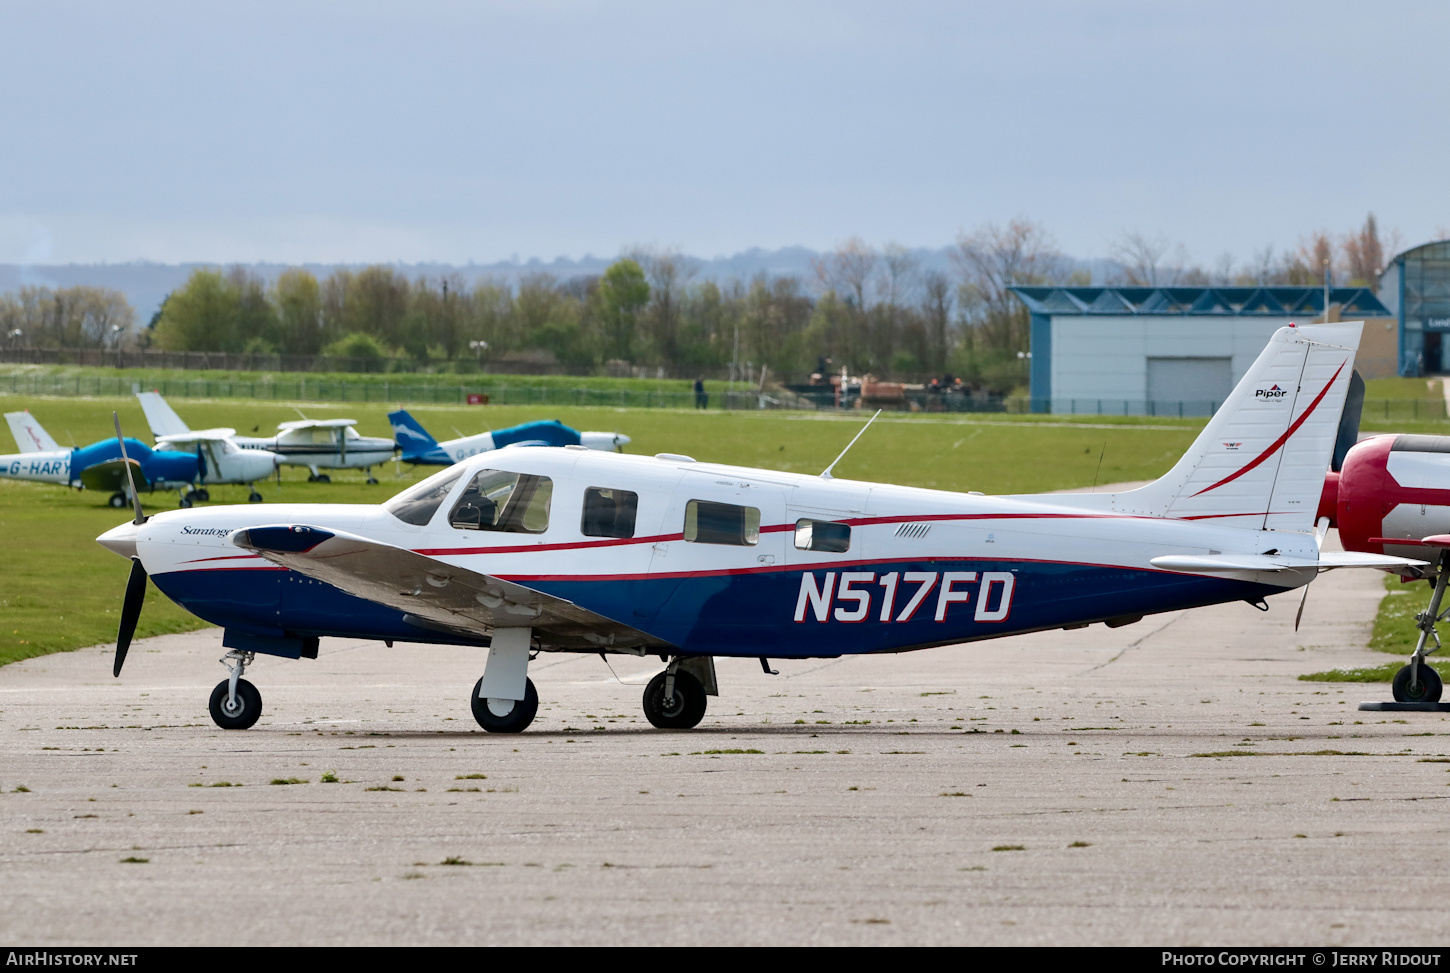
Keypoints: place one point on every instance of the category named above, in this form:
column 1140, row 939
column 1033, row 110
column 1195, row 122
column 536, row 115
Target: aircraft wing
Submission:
column 111, row 475
column 437, row 594
column 197, row 436
column 314, row 424
column 1234, row 563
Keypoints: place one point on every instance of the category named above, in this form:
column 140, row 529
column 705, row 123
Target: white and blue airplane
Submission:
column 527, row 550
column 417, row 445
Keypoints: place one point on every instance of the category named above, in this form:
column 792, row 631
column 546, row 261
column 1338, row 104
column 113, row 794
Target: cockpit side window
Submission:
column 515, row 503
column 608, row 513
column 417, row 504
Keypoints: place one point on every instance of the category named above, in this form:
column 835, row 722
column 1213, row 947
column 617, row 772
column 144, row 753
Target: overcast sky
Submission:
column 361, row 131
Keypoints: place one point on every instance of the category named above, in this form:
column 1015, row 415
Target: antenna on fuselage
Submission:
column 826, row 473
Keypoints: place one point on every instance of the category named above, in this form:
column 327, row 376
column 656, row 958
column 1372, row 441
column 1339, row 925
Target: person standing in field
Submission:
column 702, row 398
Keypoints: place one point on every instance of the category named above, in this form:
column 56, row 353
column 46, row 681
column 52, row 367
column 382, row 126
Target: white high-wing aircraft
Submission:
column 568, row 549
column 317, row 444
column 222, row 461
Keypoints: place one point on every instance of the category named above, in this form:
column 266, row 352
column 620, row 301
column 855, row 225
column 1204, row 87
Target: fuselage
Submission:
column 323, row 447
column 161, row 469
column 728, row 561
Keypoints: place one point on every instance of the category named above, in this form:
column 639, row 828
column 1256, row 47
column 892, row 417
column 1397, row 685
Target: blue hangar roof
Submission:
column 1199, row 301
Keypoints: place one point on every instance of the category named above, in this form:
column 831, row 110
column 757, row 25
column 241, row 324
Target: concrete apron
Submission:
column 857, row 801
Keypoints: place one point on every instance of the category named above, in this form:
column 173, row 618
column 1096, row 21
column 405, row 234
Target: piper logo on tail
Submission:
column 1270, row 394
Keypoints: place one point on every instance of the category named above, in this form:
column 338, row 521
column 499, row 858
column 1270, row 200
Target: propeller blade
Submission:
column 1348, row 421
column 130, row 478
column 130, row 612
column 1300, row 614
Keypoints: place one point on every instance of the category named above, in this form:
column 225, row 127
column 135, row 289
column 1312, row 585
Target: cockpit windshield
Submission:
column 417, row 504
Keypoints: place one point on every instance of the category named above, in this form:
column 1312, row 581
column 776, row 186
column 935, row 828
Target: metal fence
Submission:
column 385, row 390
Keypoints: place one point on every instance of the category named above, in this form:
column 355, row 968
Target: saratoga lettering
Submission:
column 855, row 593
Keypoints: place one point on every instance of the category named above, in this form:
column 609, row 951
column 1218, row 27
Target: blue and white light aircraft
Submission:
column 574, row 550
column 99, row 466
column 419, row 447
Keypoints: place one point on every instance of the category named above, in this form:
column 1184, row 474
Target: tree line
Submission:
column 871, row 310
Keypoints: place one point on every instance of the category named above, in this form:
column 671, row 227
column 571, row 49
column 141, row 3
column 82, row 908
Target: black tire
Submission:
column 683, row 711
column 201, row 493
column 254, row 497
column 1428, row 691
column 184, row 503
column 117, row 500
column 313, row 477
column 323, row 478
column 249, row 700
column 516, row 721
column 372, row 481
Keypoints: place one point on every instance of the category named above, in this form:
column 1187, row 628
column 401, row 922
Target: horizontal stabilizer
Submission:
column 1238, row 563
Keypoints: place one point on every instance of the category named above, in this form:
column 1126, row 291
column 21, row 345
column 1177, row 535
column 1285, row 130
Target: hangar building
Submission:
column 1176, row 350
column 1416, row 288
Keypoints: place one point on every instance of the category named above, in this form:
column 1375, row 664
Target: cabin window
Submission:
column 417, row 504
column 516, row 503
column 826, row 536
column 707, row 522
column 608, row 513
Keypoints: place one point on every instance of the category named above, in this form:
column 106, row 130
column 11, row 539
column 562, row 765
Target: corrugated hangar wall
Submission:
column 1110, row 358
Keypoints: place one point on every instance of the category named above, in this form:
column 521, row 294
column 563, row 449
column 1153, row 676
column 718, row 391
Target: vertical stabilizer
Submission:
column 29, row 435
column 415, row 442
column 1260, row 461
column 162, row 419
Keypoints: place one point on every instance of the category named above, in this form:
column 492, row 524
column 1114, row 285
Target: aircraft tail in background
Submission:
column 415, row 442
column 162, row 419
column 29, row 435
column 1260, row 461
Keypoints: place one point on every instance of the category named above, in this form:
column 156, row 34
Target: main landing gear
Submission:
column 318, row 478
column 1418, row 682
column 504, row 700
column 235, row 703
column 674, row 699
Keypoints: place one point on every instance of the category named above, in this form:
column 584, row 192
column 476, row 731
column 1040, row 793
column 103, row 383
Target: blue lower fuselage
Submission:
column 778, row 613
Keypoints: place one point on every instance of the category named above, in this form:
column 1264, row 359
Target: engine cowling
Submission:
column 1390, row 492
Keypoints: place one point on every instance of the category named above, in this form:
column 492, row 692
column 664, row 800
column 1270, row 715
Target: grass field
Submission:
column 59, row 590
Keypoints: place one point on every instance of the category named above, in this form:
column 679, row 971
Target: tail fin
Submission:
column 29, row 435
column 414, row 441
column 1260, row 461
column 162, row 419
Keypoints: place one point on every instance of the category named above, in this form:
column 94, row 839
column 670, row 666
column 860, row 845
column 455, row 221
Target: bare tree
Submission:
column 1364, row 254
column 1140, row 256
column 994, row 258
column 848, row 269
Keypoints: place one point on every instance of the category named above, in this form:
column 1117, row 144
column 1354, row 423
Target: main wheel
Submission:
column 239, row 715
column 683, row 710
column 323, row 478
column 117, row 500
column 515, row 720
column 254, row 497
column 184, row 502
column 1428, row 691
column 372, row 480
column 201, row 493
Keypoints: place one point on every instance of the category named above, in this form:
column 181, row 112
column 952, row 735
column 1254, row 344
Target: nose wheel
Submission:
column 674, row 700
column 235, row 712
column 235, row 703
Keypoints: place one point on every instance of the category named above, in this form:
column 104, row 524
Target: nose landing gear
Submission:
column 235, row 703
